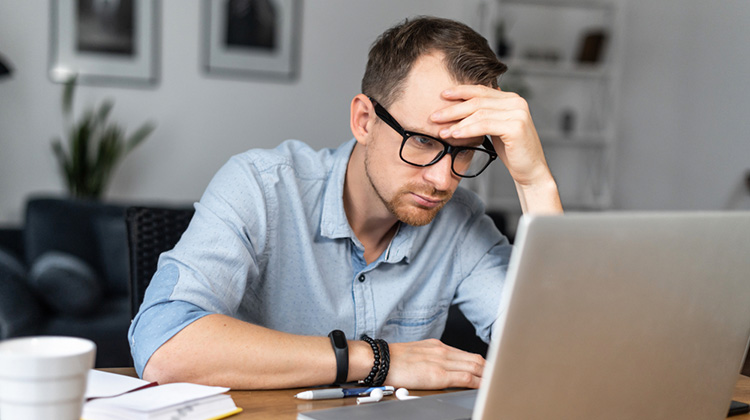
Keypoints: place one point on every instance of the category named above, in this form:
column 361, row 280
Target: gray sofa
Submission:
column 65, row 272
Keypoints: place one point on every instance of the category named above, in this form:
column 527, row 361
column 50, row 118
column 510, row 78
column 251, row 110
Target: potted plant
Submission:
column 95, row 145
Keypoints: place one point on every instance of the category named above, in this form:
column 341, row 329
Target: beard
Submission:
column 408, row 212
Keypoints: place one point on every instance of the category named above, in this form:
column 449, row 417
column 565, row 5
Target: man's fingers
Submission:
column 471, row 367
column 431, row 364
column 461, row 366
column 505, row 127
column 464, row 92
column 461, row 379
column 506, row 107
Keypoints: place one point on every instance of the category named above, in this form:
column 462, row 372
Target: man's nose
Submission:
column 440, row 174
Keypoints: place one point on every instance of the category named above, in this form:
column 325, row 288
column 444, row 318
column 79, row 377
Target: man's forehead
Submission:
column 425, row 83
column 422, row 95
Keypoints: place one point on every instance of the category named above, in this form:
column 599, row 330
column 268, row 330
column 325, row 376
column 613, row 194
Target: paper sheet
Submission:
column 106, row 384
column 160, row 397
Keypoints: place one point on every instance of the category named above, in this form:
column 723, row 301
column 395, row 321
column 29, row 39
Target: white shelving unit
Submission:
column 545, row 37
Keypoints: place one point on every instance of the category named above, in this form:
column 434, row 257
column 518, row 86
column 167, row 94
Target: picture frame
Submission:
column 104, row 41
column 253, row 38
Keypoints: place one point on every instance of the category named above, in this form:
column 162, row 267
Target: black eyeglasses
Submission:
column 423, row 150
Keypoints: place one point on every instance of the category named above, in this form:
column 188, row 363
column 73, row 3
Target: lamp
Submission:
column 5, row 70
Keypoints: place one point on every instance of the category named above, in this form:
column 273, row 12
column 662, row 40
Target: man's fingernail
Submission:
column 445, row 133
column 447, row 92
column 436, row 115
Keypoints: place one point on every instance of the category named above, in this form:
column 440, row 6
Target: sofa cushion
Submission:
column 11, row 240
column 68, row 225
column 112, row 240
column 19, row 310
column 66, row 283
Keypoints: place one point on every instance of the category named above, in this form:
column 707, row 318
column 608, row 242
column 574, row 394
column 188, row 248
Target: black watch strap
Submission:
column 341, row 350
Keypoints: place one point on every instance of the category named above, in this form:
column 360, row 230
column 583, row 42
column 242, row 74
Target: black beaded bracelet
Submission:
column 385, row 361
column 370, row 379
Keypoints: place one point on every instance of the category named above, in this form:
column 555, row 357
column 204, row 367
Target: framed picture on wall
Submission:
column 251, row 37
column 104, row 41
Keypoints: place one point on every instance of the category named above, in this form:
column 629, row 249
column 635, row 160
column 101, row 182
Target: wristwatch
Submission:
column 341, row 350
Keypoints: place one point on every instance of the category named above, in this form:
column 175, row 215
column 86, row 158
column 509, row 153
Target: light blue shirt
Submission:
column 270, row 244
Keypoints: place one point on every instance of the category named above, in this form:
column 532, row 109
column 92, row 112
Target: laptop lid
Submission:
column 609, row 315
column 621, row 316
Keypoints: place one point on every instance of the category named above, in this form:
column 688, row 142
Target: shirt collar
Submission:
column 335, row 225
column 333, row 221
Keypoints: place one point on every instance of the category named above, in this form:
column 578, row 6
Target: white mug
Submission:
column 44, row 377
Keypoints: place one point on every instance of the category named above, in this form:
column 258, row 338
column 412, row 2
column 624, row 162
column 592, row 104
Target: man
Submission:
column 374, row 238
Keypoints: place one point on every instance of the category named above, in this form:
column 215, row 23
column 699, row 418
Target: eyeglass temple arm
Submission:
column 488, row 144
column 385, row 116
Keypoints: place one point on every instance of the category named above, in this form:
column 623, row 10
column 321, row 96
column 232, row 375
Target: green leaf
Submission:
column 104, row 110
column 57, row 148
column 63, row 161
column 80, row 151
column 138, row 136
column 67, row 98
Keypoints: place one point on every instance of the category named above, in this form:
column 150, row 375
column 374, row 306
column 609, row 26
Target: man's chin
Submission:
column 416, row 216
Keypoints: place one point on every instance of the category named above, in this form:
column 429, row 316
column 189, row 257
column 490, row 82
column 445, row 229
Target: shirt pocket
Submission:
column 417, row 323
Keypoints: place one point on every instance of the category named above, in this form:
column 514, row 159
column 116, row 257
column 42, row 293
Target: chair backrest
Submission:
column 151, row 231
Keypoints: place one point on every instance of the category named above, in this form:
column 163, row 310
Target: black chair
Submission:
column 151, row 231
column 460, row 333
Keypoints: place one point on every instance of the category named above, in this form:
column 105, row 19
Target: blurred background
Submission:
column 644, row 104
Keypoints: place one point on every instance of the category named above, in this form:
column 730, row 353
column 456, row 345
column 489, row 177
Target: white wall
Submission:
column 685, row 105
column 202, row 120
column 685, row 101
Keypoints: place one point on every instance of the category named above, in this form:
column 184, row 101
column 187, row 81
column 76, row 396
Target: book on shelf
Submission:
column 117, row 397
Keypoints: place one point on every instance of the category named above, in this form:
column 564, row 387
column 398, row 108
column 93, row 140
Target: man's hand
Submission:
column 430, row 364
column 505, row 116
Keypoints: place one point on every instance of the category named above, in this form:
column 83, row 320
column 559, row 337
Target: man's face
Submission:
column 413, row 194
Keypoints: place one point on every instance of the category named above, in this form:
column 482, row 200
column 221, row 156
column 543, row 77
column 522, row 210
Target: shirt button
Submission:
column 361, row 278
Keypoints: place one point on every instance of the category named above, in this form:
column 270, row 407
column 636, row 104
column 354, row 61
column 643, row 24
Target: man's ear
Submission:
column 362, row 118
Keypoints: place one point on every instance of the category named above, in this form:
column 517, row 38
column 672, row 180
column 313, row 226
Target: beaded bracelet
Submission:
column 369, row 380
column 385, row 361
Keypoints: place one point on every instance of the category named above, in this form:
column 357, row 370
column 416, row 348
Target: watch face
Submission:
column 339, row 339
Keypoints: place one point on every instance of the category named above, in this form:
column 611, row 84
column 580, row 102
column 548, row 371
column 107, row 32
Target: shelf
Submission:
column 503, row 203
column 581, row 4
column 512, row 204
column 544, row 39
column 556, row 139
column 574, row 143
column 556, row 69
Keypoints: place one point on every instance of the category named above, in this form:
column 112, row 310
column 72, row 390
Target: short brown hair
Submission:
column 468, row 56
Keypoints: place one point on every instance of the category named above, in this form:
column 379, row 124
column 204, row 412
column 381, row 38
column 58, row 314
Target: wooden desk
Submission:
column 281, row 404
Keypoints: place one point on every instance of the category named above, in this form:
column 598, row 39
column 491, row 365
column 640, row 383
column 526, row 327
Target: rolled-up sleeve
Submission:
column 159, row 317
column 208, row 270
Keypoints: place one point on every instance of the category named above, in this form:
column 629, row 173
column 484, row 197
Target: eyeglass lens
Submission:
column 419, row 150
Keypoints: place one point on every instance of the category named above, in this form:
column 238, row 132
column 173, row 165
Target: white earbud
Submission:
column 375, row 396
column 403, row 394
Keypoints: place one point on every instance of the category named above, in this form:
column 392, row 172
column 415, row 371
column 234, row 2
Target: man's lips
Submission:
column 426, row 201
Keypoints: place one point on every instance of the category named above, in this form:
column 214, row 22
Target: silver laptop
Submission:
column 609, row 316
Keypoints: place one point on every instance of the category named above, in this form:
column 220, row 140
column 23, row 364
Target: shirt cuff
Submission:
column 153, row 327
